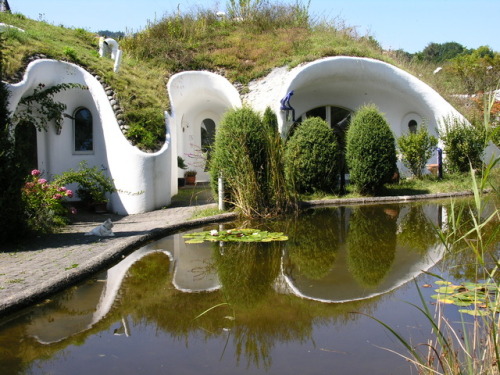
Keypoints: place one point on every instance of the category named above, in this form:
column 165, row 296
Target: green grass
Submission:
column 192, row 196
column 206, row 212
column 409, row 186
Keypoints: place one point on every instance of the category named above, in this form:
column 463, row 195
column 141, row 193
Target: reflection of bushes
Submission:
column 247, row 271
column 371, row 244
column 313, row 243
column 416, row 230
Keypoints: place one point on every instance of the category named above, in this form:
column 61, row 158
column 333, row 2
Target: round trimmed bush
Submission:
column 311, row 161
column 371, row 150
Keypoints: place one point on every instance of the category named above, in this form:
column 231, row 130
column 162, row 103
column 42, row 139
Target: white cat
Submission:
column 103, row 230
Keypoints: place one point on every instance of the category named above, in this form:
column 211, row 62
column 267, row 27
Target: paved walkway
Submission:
column 53, row 262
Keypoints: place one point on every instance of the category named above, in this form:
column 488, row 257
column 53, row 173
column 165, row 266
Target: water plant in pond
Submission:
column 482, row 297
column 235, row 235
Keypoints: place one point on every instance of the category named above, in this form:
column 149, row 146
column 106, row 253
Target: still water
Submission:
column 295, row 307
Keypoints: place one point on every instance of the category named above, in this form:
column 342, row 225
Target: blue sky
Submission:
column 407, row 24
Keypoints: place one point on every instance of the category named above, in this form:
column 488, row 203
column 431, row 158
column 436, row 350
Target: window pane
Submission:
column 317, row 112
column 84, row 140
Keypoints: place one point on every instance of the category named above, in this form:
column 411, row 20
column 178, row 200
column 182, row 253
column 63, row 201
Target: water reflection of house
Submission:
column 193, row 270
column 330, row 88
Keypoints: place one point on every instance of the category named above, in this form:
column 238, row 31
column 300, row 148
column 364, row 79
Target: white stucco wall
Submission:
column 351, row 82
column 143, row 180
column 195, row 96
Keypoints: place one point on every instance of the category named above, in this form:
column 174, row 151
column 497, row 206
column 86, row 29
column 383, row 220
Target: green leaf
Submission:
column 235, row 235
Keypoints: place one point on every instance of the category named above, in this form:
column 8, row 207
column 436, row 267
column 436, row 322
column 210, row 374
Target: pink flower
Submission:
column 35, row 172
column 57, row 196
column 29, row 185
column 69, row 193
column 42, row 181
column 62, row 189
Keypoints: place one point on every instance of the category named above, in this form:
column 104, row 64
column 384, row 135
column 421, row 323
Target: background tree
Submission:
column 479, row 71
column 440, row 52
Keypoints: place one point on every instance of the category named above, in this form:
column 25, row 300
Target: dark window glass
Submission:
column 317, row 112
column 84, row 137
column 413, row 126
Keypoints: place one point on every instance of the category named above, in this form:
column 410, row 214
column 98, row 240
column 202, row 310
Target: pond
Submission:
column 298, row 306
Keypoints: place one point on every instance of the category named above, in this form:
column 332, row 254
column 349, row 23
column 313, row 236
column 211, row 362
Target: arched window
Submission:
column 207, row 138
column 412, row 125
column 83, row 131
column 207, row 134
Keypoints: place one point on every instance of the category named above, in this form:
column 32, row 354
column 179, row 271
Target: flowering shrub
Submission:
column 44, row 209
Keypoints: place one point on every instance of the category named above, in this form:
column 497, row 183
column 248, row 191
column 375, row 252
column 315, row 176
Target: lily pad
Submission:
column 480, row 297
column 235, row 235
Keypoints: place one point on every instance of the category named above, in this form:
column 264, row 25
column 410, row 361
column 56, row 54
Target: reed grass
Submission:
column 472, row 346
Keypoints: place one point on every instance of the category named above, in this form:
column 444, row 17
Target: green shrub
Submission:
column 246, row 153
column 44, row 209
column 371, row 150
column 311, row 157
column 147, row 128
column 416, row 148
column 93, row 184
column 464, row 145
column 495, row 135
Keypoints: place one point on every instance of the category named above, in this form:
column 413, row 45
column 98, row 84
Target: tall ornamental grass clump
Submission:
column 246, row 156
column 311, row 158
column 416, row 148
column 464, row 145
column 371, row 150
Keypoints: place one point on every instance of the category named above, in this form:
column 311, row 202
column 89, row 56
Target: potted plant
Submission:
column 93, row 185
column 182, row 165
column 190, row 177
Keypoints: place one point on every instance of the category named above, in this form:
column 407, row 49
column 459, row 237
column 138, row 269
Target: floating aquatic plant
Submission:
column 480, row 296
column 235, row 235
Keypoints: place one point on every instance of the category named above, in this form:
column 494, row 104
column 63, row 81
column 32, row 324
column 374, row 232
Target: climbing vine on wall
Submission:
column 40, row 108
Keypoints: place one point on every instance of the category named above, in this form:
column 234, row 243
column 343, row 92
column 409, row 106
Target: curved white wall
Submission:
column 143, row 180
column 195, row 96
column 352, row 82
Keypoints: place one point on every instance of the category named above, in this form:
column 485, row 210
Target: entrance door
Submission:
column 26, row 147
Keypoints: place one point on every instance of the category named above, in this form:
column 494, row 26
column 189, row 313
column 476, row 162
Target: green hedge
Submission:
column 311, row 157
column 371, row 150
